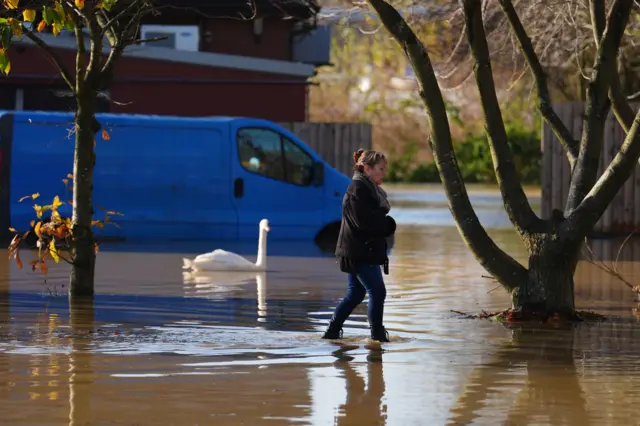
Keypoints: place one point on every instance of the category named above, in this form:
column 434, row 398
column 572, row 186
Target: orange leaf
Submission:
column 65, row 181
column 32, row 223
column 13, row 230
column 18, row 261
column 105, row 135
column 43, row 268
column 42, row 25
column 97, row 248
column 70, row 176
column 80, row 4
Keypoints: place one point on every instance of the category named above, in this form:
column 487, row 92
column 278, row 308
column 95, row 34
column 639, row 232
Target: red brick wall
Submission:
column 269, row 101
column 236, row 37
column 184, row 89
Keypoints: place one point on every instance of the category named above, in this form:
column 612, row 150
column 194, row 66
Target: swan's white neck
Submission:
column 261, row 261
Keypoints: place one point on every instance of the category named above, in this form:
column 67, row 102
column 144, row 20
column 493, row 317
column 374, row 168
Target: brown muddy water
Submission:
column 161, row 348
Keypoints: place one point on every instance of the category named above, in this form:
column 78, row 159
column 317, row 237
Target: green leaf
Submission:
column 7, row 34
column 69, row 24
column 4, row 63
column 47, row 15
column 108, row 4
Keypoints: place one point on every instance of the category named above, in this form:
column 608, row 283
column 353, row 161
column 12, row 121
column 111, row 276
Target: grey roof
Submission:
column 207, row 59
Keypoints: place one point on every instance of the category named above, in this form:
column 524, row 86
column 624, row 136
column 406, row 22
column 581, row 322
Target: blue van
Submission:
column 174, row 178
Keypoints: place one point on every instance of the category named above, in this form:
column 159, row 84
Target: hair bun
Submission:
column 357, row 155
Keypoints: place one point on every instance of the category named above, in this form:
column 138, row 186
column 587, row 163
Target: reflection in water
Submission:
column 217, row 285
column 551, row 394
column 160, row 347
column 363, row 404
column 81, row 324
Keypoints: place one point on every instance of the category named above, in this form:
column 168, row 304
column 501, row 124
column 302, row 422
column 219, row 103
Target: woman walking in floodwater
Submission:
column 362, row 245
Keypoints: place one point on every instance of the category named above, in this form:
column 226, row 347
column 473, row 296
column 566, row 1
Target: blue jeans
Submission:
column 367, row 279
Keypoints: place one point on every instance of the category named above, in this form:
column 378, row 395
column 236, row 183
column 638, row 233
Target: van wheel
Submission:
column 327, row 238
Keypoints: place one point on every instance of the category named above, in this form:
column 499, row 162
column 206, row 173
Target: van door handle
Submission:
column 238, row 188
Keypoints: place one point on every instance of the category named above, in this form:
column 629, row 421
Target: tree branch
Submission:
column 107, row 28
column 80, row 65
column 585, row 216
column 515, row 201
column 545, row 107
column 57, row 60
column 619, row 103
column 116, row 18
column 507, row 271
column 123, row 39
column 598, row 104
column 95, row 55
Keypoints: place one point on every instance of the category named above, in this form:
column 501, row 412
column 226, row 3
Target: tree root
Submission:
column 510, row 316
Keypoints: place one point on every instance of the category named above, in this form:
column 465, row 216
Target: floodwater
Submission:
column 161, row 348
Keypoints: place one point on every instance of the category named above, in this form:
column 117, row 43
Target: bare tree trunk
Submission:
column 550, row 286
column 84, row 258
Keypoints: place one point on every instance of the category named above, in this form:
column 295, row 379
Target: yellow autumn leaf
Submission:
column 32, row 223
column 42, row 25
column 37, row 229
column 28, row 15
column 32, row 196
column 56, row 28
column 56, row 203
column 40, row 209
column 11, row 4
column 105, row 135
column 13, row 230
column 54, row 251
column 55, row 217
column 16, row 27
column 80, row 4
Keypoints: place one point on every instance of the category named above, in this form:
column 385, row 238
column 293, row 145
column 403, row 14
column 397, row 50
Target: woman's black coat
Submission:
column 364, row 229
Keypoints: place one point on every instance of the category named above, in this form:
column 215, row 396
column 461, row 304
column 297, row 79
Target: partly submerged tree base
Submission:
column 511, row 316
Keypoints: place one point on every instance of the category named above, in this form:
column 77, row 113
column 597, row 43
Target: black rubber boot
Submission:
column 334, row 331
column 380, row 334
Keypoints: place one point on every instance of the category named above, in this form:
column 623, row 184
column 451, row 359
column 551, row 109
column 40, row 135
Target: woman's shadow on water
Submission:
column 363, row 405
column 551, row 387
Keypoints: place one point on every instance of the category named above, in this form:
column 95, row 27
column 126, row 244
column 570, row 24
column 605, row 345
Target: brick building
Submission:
column 215, row 61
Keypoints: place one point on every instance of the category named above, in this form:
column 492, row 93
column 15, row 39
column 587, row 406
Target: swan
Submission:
column 222, row 260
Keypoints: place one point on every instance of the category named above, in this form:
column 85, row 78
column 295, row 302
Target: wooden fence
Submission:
column 623, row 214
column 334, row 142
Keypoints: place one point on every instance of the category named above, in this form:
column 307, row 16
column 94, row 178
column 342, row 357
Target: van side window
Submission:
column 270, row 154
column 260, row 152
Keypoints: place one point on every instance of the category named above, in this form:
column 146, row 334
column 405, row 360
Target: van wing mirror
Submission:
column 318, row 173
